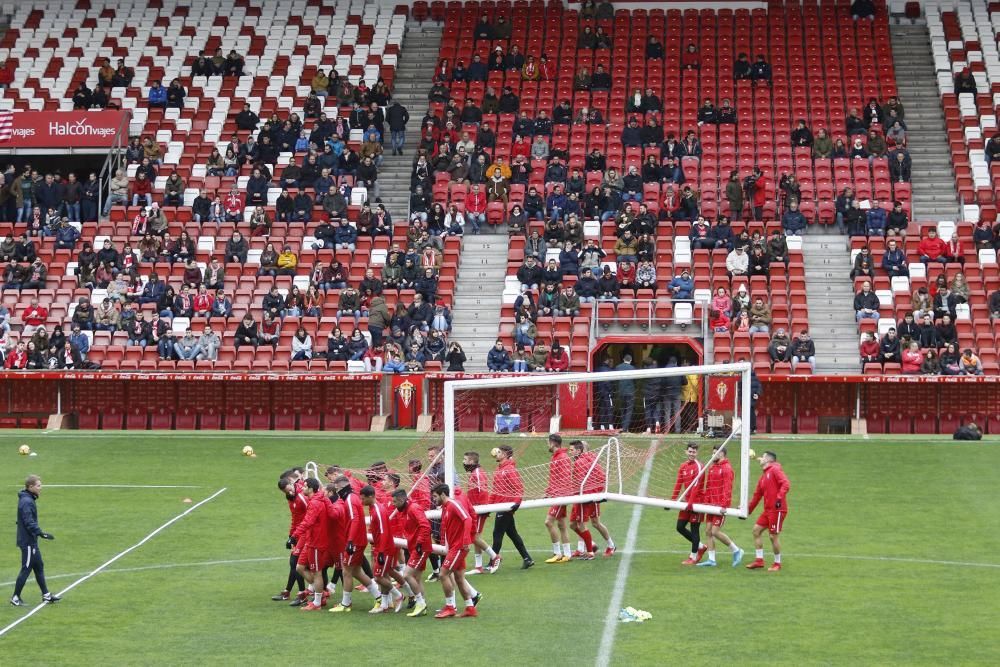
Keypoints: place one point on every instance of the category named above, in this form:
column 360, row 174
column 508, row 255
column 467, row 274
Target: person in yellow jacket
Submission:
column 287, row 261
column 689, row 398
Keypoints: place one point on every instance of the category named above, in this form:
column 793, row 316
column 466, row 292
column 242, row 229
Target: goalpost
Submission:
column 520, row 411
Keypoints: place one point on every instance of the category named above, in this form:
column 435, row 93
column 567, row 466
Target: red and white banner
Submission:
column 60, row 129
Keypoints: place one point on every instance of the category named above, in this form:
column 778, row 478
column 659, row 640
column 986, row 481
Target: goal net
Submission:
column 635, row 427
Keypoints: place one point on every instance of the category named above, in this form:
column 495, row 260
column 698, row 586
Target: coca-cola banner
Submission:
column 60, row 129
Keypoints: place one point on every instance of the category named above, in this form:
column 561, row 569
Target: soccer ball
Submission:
column 248, row 451
column 753, row 454
column 24, row 450
column 495, row 452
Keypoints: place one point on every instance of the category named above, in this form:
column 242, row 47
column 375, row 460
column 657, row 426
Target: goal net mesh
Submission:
column 628, row 427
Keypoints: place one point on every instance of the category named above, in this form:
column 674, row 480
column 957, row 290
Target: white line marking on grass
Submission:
column 132, row 548
column 883, row 559
column 621, row 577
column 116, row 486
column 164, row 566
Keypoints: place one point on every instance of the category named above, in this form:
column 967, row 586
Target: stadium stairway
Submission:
column 934, row 195
column 413, row 79
column 830, row 296
column 476, row 311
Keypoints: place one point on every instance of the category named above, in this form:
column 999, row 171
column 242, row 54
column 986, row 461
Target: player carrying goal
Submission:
column 719, row 491
column 560, row 485
column 588, row 477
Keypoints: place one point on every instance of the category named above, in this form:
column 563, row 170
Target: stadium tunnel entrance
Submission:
column 660, row 348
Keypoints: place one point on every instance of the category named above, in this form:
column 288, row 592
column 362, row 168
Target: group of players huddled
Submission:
column 329, row 528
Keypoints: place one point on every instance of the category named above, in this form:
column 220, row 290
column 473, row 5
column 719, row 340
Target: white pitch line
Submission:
column 132, row 548
column 163, row 566
column 116, row 486
column 621, row 577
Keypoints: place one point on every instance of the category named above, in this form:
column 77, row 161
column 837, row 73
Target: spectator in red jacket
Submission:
column 558, row 359
column 912, row 359
column 34, row 316
column 142, row 190
column 932, row 249
column 871, row 351
column 475, row 208
column 761, row 185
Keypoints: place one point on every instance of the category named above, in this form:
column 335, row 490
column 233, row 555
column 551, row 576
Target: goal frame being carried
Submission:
column 741, row 428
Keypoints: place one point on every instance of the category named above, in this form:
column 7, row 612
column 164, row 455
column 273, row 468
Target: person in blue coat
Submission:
column 28, row 533
column 793, row 222
column 876, row 219
column 682, row 286
column 157, row 95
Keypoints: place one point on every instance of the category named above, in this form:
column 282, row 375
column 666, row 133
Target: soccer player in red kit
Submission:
column 588, row 476
column 478, row 492
column 456, row 528
column 418, row 543
column 508, row 487
column 773, row 488
column 312, row 537
column 297, row 506
column 354, row 551
column 383, row 553
column 719, row 491
column 687, row 475
column 560, row 485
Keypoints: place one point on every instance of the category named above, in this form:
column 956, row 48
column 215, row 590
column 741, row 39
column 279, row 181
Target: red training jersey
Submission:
column 357, row 532
column 479, row 487
column 592, row 480
column 336, row 518
column 507, row 484
column 719, row 484
column 313, row 529
column 560, row 475
column 420, row 491
column 416, row 527
column 772, row 486
column 456, row 524
column 687, row 473
column 381, row 529
column 298, row 505
column 463, row 500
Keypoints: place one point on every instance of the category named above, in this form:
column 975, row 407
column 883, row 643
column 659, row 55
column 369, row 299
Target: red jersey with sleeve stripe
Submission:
column 507, row 484
column 420, row 492
column 356, row 484
column 592, row 480
column 313, row 530
column 456, row 524
column 416, row 527
column 719, row 484
column 381, row 529
column 298, row 505
column 479, row 487
column 336, row 517
column 463, row 500
column 357, row 532
column 772, row 486
column 687, row 473
column 560, row 474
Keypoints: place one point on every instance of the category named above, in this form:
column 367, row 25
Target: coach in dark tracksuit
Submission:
column 28, row 533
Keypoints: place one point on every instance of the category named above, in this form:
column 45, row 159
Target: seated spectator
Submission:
column 718, row 321
column 889, row 347
column 900, row 167
column 894, row 260
column 608, row 288
column 969, row 363
column 780, row 347
column 870, row 350
column 965, row 83
column 737, row 262
column 863, row 265
column 927, row 333
column 237, row 249
column 945, row 303
column 157, row 95
column 558, row 359
column 301, row 345
column 803, row 350
column 287, row 262
column 875, row 220
column 912, row 359
column 760, row 71
column 760, row 262
column 792, row 220
column 498, row 359
column 866, row 303
column 863, row 9
column 682, row 287
column 954, row 251
column 930, row 364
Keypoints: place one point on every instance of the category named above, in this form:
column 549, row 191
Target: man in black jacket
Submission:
column 397, row 116
column 28, row 533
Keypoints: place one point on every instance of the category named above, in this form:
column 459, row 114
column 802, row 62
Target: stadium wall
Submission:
column 340, row 401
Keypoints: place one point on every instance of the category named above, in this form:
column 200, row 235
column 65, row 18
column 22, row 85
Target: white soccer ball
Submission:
column 753, row 454
column 248, row 451
column 24, row 450
column 495, row 452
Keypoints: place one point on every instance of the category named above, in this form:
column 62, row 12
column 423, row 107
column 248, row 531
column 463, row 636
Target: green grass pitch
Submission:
column 892, row 556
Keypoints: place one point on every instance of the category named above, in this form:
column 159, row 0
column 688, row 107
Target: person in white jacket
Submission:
column 302, row 345
column 737, row 262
